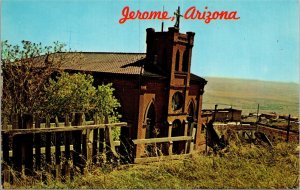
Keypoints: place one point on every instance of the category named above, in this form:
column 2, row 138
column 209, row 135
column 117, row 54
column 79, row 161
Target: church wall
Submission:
column 196, row 91
column 158, row 93
column 168, row 54
column 126, row 91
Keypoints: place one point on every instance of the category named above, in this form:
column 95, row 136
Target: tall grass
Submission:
column 247, row 166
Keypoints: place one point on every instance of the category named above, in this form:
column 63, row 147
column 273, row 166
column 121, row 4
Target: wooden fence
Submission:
column 274, row 133
column 61, row 151
column 188, row 140
column 64, row 151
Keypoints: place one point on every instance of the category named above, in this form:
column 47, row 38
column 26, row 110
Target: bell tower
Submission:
column 169, row 53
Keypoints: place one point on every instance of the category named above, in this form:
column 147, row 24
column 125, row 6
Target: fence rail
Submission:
column 186, row 140
column 60, row 129
column 161, row 140
column 63, row 151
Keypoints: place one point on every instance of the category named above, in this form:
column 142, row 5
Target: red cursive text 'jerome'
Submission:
column 132, row 15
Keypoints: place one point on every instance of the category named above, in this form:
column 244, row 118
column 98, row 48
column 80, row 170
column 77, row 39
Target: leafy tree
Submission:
column 26, row 69
column 106, row 104
column 76, row 93
column 29, row 85
column 70, row 93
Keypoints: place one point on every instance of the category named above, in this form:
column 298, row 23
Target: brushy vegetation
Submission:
column 70, row 93
column 247, row 166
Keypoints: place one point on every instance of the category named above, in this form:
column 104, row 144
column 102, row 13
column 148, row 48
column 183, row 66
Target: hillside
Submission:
column 244, row 94
column 236, row 167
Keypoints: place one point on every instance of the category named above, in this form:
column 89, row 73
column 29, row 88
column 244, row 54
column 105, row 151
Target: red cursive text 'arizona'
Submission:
column 207, row 16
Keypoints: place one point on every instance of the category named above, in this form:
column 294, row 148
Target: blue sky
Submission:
column 263, row 44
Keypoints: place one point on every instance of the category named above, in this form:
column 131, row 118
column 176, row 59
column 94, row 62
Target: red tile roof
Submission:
column 115, row 63
column 119, row 63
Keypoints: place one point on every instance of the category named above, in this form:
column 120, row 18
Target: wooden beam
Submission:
column 159, row 158
column 61, row 129
column 42, row 151
column 160, row 140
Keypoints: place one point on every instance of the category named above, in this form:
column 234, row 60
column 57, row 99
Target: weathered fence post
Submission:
column 192, row 134
column 6, row 162
column 26, row 144
column 48, row 146
column 111, row 154
column 95, row 141
column 108, row 151
column 186, row 134
column 67, row 148
column 57, row 151
column 84, row 151
column 101, row 142
column 77, row 151
column 17, row 145
column 5, row 150
column 37, row 142
column 89, row 153
column 170, row 142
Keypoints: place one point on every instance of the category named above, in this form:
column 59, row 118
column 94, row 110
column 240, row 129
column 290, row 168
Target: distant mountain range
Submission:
column 279, row 97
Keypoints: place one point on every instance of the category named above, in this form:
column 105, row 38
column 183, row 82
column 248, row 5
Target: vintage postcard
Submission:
column 149, row 94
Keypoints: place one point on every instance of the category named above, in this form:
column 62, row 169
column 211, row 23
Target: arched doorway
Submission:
column 190, row 117
column 151, row 150
column 150, row 122
column 192, row 126
column 177, row 130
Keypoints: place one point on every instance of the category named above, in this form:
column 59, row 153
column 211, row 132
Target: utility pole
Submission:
column 257, row 117
column 162, row 23
column 215, row 112
column 288, row 129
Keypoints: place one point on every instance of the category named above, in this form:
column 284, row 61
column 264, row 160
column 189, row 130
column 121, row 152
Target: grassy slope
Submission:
column 279, row 97
column 237, row 167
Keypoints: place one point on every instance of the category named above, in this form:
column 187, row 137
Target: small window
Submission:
column 177, row 61
column 165, row 57
column 177, row 101
column 185, row 65
column 191, row 112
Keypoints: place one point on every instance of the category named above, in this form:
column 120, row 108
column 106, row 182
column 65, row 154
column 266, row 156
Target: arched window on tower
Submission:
column 177, row 61
column 185, row 64
column 165, row 58
column 191, row 111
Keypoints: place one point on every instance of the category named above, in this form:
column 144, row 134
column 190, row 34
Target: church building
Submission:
column 159, row 95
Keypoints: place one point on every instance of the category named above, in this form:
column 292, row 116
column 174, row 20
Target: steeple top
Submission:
column 178, row 15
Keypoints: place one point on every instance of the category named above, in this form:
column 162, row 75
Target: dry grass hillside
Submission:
column 236, row 167
column 282, row 98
